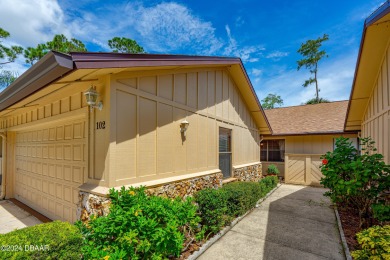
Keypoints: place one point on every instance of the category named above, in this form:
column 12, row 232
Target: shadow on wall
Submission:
column 300, row 225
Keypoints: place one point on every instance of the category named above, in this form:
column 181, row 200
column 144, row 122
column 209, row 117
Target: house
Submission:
column 301, row 134
column 175, row 124
column 369, row 104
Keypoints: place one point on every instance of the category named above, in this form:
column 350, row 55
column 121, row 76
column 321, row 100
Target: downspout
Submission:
column 3, row 168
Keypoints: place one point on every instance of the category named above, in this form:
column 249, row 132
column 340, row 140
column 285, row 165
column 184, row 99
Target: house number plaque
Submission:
column 101, row 125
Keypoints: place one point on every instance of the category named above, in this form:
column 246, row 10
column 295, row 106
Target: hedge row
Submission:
column 218, row 207
column 138, row 226
column 54, row 240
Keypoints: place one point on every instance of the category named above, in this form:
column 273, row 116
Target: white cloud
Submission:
column 171, row 26
column 276, row 55
column 256, row 72
column 335, row 81
column 32, row 22
column 246, row 53
column 239, row 21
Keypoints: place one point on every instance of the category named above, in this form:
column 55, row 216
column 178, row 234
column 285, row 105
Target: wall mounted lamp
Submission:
column 91, row 96
column 184, row 126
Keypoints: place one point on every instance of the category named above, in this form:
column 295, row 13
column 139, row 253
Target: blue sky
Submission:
column 265, row 34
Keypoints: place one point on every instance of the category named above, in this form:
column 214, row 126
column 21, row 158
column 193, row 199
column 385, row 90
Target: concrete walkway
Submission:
column 295, row 222
column 12, row 217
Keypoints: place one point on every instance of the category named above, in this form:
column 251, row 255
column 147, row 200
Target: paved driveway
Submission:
column 12, row 217
column 295, row 222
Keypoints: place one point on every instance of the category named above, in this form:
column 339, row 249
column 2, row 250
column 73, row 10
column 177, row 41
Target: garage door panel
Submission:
column 50, row 166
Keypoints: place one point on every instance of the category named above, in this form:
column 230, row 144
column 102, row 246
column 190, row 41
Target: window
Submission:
column 355, row 143
column 272, row 150
column 225, row 152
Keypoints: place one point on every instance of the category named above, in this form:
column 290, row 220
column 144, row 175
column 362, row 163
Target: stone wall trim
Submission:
column 99, row 205
column 104, row 191
column 245, row 165
column 251, row 172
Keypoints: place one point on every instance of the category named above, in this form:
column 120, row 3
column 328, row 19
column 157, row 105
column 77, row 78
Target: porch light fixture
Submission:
column 91, row 96
column 184, row 126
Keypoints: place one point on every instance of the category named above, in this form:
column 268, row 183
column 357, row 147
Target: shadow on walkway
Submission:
column 295, row 222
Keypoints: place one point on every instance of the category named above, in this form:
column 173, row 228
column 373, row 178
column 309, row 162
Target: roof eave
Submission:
column 256, row 97
column 374, row 17
column 48, row 69
column 315, row 133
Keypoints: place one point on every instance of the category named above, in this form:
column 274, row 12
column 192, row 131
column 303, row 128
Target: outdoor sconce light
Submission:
column 91, row 95
column 184, row 126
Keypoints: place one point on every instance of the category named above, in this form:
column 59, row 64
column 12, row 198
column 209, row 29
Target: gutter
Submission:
column 315, row 133
column 48, row 69
column 370, row 20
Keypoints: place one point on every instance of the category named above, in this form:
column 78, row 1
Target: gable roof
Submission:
column 57, row 67
column 373, row 45
column 323, row 118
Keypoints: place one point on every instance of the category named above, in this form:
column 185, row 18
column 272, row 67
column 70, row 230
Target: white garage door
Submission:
column 50, row 165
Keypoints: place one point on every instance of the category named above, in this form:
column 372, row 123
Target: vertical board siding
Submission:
column 126, row 134
column 206, row 99
column 147, row 118
column 376, row 117
column 164, row 139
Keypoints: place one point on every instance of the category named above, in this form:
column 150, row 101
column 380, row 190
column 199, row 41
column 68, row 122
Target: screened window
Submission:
column 272, row 150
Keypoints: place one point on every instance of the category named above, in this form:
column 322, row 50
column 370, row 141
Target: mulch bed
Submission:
column 349, row 218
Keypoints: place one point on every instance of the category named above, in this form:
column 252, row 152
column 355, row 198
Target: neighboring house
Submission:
column 301, row 134
column 175, row 124
column 369, row 105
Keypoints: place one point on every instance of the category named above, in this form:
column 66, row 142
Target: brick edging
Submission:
column 221, row 233
column 342, row 236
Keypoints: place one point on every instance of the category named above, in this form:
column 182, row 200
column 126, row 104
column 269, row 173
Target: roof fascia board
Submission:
column 375, row 16
column 378, row 14
column 256, row 97
column 315, row 133
column 52, row 66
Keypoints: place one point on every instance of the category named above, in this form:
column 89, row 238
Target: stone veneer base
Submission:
column 251, row 172
column 99, row 205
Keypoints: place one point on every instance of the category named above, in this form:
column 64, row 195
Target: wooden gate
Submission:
column 303, row 169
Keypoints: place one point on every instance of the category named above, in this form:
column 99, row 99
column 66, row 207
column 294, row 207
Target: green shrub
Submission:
column 218, row 207
column 63, row 241
column 272, row 169
column 270, row 182
column 374, row 243
column 213, row 208
column 139, row 227
column 241, row 197
column 359, row 180
column 381, row 211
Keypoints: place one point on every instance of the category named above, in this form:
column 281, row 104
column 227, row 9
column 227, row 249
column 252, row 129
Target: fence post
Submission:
column 286, row 177
column 308, row 170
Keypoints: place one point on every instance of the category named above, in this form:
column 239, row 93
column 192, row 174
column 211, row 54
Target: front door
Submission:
column 225, row 152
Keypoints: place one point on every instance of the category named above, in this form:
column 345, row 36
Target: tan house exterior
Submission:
column 60, row 157
column 369, row 105
column 301, row 134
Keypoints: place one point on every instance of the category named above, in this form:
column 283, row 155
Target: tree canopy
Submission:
column 316, row 101
column 271, row 100
column 8, row 54
column 6, row 78
column 59, row 43
column 125, row 45
column 310, row 50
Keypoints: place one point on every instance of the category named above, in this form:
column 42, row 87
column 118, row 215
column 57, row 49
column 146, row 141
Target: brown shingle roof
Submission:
column 308, row 119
